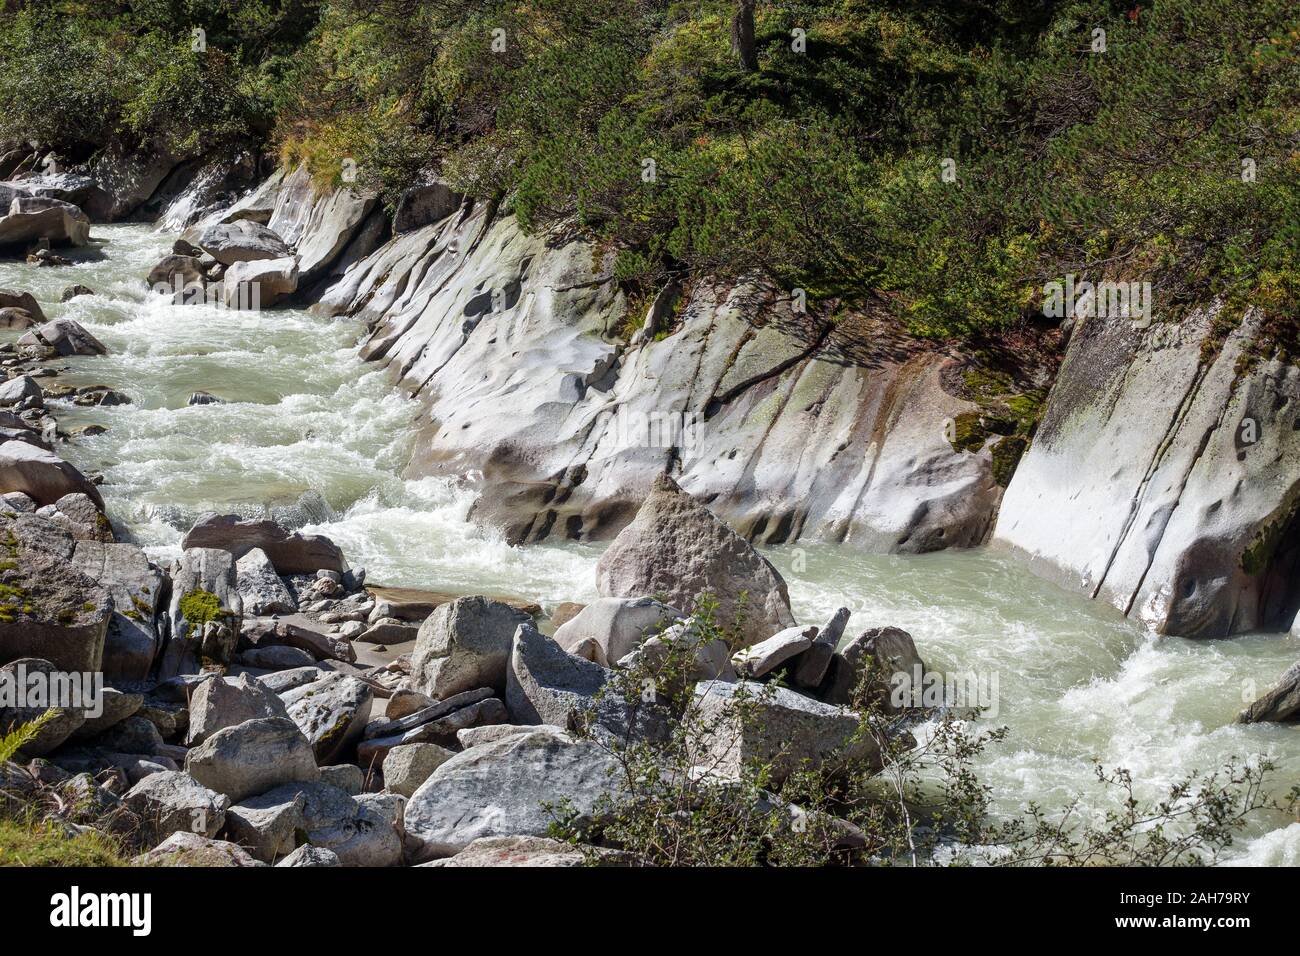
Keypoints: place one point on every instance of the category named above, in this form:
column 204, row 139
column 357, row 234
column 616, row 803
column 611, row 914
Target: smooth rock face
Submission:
column 748, row 724
column 135, row 587
column 408, row 766
column 464, row 645
column 260, row 587
column 252, row 757
column 205, row 612
column 66, row 720
column 1187, row 521
column 218, row 703
column 289, row 552
column 174, row 802
column 1281, row 702
column 676, row 548
column 617, row 626
column 332, row 713
column 766, row 656
column 42, row 475
column 52, row 610
column 241, row 241
column 497, row 789
column 260, row 284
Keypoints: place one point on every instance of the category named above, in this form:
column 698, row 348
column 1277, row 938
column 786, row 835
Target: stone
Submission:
column 747, row 724
column 16, row 319
column 677, row 549
column 372, row 750
column 261, row 284
column 42, row 475
column 388, row 631
column 260, row 586
column 811, row 669
column 712, row 658
column 464, row 645
column 267, row 827
column 320, row 646
column 308, row 855
column 499, row 788
column 75, row 292
column 21, row 392
column 348, row 777
column 565, row 612
column 242, row 241
column 253, row 757
column 219, row 702
column 358, row 834
column 30, row 219
column 1279, row 703
column 279, row 657
column 409, row 765
column 331, row 712
column 177, row 275
column 191, row 849
column 886, row 651
column 116, row 706
column 205, row 612
column 135, row 587
column 12, row 299
column 286, row 680
column 66, row 337
column 475, row 736
column 174, row 802
column 204, row 398
column 617, row 626
column 67, row 718
column 133, row 735
column 289, row 552
column 762, row 658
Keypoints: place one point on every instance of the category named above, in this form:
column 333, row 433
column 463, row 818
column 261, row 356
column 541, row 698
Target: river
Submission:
column 1075, row 680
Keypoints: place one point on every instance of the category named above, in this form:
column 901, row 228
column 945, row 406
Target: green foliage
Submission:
column 15, row 738
column 199, row 607
column 27, row 841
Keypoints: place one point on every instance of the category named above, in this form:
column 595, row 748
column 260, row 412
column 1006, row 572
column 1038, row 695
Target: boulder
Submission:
column 75, row 292
column 49, row 609
column 1281, row 702
column 252, row 757
column 12, row 299
column 357, row 833
column 175, row 274
column 886, row 651
column 30, row 219
column 308, row 855
column 65, row 336
column 44, row 689
column 476, row 736
column 135, row 587
column 530, row 851
column 16, row 319
column 124, row 180
column 617, row 626
column 280, row 657
column 260, row 586
column 191, row 849
column 289, row 552
column 766, row 656
column 811, row 669
column 286, row 680
column 332, row 713
column 443, row 730
column 242, row 241
column 425, row 204
column 500, row 788
column 21, row 392
column 115, row 707
column 174, row 802
column 42, row 475
column 746, row 724
column 712, row 657
column 205, row 612
column 676, row 549
column 406, row 767
column 267, row 825
column 321, row 646
column 463, row 645
column 348, row 777
column 261, row 284
column 134, row 735
column 218, row 703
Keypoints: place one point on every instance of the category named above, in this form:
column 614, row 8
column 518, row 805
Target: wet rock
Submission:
column 65, row 337
column 463, row 645
column 75, row 291
column 174, row 802
column 1281, row 702
column 30, row 219
column 617, row 626
column 12, row 299
column 498, row 789
column 261, row 284
column 677, row 549
column 21, row 392
column 252, row 757
column 176, row 275
column 204, row 398
column 289, row 552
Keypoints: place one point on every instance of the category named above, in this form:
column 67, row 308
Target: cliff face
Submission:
column 789, row 429
column 1164, row 484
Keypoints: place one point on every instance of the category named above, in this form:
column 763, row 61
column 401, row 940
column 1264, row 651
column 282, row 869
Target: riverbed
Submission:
column 1075, row 681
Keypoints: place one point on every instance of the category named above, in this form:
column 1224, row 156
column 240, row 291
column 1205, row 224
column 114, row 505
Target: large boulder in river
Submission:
column 501, row 789
column 66, row 337
column 615, row 626
column 886, row 656
column 29, row 219
column 1165, row 475
column 12, row 299
column 252, row 757
column 290, row 552
column 48, row 607
column 463, row 645
column 1281, row 702
column 136, row 587
column 41, row 475
column 677, row 550
column 205, row 612
column 22, row 391
column 260, row 284
column 242, row 241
